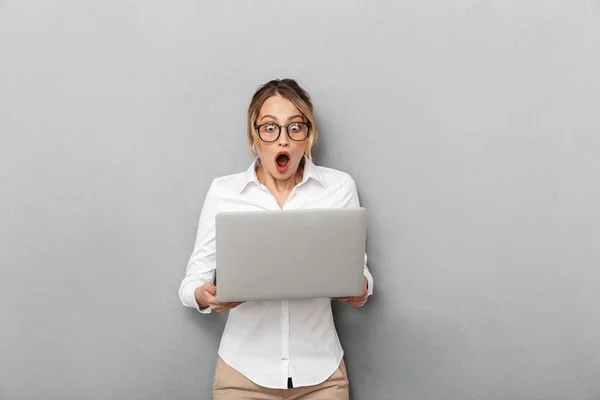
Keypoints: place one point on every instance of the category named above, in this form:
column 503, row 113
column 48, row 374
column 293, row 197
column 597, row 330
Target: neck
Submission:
column 279, row 186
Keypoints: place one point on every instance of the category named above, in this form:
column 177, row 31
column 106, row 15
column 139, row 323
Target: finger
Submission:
column 209, row 299
column 209, row 296
column 220, row 307
column 214, row 304
column 359, row 303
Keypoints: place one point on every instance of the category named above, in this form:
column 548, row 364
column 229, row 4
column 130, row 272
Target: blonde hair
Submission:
column 288, row 89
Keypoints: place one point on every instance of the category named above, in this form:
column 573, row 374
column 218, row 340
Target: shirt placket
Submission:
column 285, row 341
column 285, row 322
column 285, row 312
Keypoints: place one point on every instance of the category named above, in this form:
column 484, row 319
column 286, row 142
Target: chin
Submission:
column 289, row 172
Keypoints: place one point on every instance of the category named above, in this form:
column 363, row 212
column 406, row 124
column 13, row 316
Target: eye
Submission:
column 270, row 128
column 294, row 128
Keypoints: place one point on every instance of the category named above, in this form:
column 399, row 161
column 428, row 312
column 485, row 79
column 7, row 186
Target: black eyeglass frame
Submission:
column 287, row 130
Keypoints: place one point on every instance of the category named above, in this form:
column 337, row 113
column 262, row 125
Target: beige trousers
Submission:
column 231, row 385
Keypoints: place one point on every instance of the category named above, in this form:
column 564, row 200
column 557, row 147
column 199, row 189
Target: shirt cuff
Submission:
column 370, row 283
column 188, row 298
column 206, row 310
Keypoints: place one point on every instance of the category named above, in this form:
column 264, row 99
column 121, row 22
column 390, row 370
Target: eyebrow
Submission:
column 289, row 119
column 268, row 116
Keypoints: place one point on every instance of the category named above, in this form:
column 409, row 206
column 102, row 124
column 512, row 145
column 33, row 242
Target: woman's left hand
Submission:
column 356, row 301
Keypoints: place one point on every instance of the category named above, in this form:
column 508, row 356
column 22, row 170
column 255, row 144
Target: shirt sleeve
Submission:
column 351, row 200
column 202, row 263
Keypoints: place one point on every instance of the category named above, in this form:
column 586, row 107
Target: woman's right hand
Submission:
column 205, row 297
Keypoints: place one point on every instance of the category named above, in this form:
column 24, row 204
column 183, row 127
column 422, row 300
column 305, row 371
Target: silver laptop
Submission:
column 290, row 254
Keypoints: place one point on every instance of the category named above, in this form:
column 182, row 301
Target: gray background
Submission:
column 470, row 126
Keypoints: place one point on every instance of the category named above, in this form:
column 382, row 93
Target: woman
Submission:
column 274, row 349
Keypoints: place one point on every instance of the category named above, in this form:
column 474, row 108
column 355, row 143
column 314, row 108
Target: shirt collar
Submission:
column 310, row 172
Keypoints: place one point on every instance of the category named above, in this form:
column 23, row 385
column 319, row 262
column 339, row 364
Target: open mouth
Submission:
column 282, row 161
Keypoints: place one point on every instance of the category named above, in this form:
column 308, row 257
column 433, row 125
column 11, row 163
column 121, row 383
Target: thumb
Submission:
column 212, row 290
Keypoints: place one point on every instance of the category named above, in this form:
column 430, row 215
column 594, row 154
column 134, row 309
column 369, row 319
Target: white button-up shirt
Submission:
column 269, row 341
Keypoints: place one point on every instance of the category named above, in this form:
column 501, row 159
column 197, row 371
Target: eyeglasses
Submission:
column 269, row 132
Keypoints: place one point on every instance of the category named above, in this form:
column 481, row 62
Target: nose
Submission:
column 283, row 138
